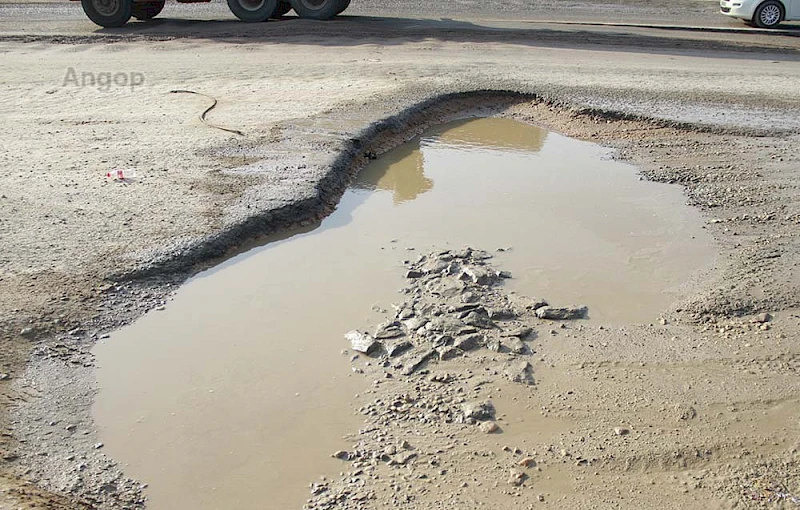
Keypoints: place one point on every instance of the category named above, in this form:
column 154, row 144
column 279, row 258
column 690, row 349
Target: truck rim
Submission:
column 770, row 14
column 106, row 7
column 314, row 5
column 252, row 5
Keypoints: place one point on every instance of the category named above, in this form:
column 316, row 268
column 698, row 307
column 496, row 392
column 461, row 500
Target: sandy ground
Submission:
column 80, row 255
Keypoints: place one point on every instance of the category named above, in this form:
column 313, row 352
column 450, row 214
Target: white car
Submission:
column 762, row 13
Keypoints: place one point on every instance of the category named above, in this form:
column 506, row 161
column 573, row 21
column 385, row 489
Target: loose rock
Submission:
column 341, row 455
column 761, row 318
column 517, row 477
column 470, row 342
column 361, row 342
column 481, row 410
column 390, row 329
column 489, row 427
column 520, row 372
column 561, row 314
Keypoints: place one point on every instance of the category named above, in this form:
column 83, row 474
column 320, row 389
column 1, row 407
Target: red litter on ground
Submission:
column 121, row 174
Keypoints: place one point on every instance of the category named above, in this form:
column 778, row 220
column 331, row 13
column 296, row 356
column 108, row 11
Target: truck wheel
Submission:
column 318, row 9
column 253, row 11
column 283, row 9
column 108, row 13
column 345, row 5
column 768, row 14
column 147, row 10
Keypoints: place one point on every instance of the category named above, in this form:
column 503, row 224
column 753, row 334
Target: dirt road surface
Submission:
column 711, row 392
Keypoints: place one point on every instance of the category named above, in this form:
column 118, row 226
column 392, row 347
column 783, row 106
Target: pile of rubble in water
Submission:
column 421, row 419
column 454, row 304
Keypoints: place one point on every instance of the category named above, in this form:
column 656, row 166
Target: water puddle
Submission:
column 235, row 396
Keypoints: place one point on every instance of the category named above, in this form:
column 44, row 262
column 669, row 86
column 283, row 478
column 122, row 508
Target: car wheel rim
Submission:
column 251, row 5
column 314, row 5
column 770, row 14
column 106, row 7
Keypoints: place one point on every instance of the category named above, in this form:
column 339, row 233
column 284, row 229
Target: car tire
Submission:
column 769, row 14
column 253, row 11
column 108, row 13
column 318, row 9
column 147, row 10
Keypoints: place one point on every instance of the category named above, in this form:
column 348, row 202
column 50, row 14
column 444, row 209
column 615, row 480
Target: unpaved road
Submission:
column 80, row 255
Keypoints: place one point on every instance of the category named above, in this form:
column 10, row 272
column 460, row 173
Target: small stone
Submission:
column 413, row 363
column 503, row 274
column 622, row 431
column 97, row 446
column 520, row 332
column 448, row 353
column 527, row 462
column 520, row 372
column 480, row 410
column 469, row 342
column 440, row 377
column 514, row 345
column 540, row 497
column 341, row 455
column 405, row 313
column 517, row 477
column 477, row 319
column 4, row 377
column 396, row 347
column 761, row 318
column 562, row 313
column 413, row 273
column 489, row 427
column 26, row 332
column 500, row 314
column 415, row 323
column 361, row 342
column 478, row 275
column 389, row 329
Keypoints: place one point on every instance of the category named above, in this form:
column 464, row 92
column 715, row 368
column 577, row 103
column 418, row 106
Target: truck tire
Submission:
column 318, row 9
column 282, row 10
column 108, row 13
column 147, row 10
column 345, row 5
column 253, row 11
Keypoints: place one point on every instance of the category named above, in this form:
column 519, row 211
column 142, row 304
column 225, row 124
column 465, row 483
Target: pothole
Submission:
column 237, row 392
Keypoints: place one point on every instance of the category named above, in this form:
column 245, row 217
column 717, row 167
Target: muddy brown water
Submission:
column 237, row 393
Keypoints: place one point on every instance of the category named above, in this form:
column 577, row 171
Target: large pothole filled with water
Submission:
column 236, row 394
